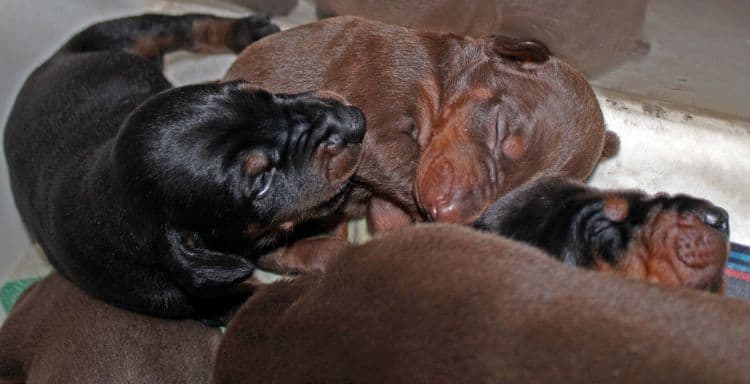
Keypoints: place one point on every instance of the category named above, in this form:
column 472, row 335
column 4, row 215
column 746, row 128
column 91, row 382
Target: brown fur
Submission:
column 57, row 334
column 453, row 121
column 444, row 304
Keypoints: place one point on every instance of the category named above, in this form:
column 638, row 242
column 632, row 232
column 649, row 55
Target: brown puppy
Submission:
column 443, row 304
column 673, row 240
column 453, row 122
column 57, row 334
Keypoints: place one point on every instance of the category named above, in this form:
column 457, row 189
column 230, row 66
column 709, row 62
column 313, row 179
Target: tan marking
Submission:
column 676, row 250
column 287, row 225
column 616, row 208
column 211, row 36
column 151, row 47
column 255, row 163
column 514, row 146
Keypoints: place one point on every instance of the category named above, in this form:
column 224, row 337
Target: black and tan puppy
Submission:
column 155, row 199
column 58, row 334
column 438, row 304
column 674, row 240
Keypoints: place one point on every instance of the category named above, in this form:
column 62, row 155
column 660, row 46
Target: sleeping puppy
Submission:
column 57, row 334
column 454, row 122
column 673, row 240
column 445, row 304
column 157, row 199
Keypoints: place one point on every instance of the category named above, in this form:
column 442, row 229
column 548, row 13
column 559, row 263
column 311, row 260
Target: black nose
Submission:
column 713, row 216
column 353, row 127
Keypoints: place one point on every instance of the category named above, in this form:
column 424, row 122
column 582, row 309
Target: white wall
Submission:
column 31, row 31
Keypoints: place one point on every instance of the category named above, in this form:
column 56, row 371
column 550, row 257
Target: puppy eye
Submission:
column 606, row 239
column 265, row 181
column 414, row 130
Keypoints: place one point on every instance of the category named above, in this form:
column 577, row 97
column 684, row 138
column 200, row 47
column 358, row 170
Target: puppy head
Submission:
column 673, row 240
column 509, row 113
column 216, row 156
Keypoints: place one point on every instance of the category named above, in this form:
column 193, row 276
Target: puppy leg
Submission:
column 202, row 272
column 151, row 36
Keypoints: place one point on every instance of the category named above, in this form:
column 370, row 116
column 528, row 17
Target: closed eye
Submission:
column 606, row 239
column 601, row 226
column 265, row 181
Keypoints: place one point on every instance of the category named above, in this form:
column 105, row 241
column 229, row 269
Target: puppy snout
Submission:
column 713, row 216
column 450, row 199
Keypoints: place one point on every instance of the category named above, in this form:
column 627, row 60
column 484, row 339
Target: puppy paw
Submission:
column 250, row 29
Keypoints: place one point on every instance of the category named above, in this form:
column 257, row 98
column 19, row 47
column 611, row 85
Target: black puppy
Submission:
column 156, row 199
column 674, row 240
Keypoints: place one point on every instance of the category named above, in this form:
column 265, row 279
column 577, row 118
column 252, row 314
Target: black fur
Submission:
column 566, row 218
column 139, row 193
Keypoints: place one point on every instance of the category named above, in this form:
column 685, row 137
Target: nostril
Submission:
column 334, row 140
column 334, row 143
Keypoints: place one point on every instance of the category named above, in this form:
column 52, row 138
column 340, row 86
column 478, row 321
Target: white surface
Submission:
column 31, row 31
column 677, row 152
column 702, row 156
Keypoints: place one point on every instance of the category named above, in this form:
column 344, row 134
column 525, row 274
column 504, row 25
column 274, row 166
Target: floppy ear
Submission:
column 527, row 50
column 203, row 272
column 611, row 145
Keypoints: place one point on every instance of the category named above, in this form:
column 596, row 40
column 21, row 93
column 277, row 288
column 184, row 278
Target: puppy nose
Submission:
column 713, row 216
column 347, row 127
column 354, row 125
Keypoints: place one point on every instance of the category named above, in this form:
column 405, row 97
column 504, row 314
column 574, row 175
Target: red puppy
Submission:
column 444, row 304
column 453, row 121
column 58, row 334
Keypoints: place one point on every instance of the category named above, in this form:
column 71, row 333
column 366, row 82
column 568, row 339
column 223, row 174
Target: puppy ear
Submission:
column 204, row 272
column 611, row 145
column 526, row 50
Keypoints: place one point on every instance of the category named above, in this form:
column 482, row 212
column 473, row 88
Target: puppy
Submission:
column 157, row 199
column 445, row 304
column 57, row 334
column 454, row 122
column 673, row 240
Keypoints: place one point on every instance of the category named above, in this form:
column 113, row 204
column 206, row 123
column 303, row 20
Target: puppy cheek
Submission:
column 672, row 252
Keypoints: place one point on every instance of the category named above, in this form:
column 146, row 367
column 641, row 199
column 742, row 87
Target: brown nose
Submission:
column 452, row 202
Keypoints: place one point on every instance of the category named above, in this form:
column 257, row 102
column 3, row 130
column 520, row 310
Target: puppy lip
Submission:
column 453, row 212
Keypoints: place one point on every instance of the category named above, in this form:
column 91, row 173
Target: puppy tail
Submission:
column 611, row 145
